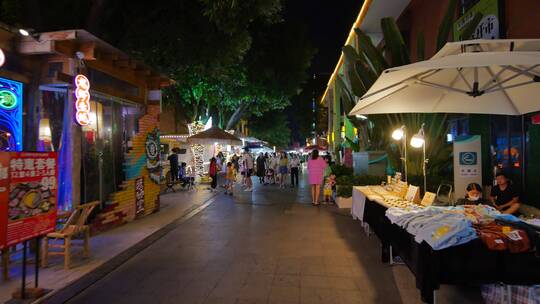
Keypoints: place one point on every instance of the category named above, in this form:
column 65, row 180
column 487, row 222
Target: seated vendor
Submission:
column 473, row 195
column 504, row 196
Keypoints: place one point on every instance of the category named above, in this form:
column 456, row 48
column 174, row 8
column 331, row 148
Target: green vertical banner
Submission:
column 336, row 113
column 349, row 129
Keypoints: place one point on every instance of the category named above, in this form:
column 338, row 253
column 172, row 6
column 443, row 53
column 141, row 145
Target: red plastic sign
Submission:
column 32, row 195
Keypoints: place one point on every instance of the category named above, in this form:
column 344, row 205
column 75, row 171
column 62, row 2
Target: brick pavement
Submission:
column 269, row 246
column 106, row 245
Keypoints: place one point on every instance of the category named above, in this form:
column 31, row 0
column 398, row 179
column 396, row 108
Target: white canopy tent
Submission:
column 492, row 82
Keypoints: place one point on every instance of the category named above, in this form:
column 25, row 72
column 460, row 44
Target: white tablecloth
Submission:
column 358, row 203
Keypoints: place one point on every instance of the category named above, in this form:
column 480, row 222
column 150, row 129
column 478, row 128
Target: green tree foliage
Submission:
column 229, row 58
column 273, row 128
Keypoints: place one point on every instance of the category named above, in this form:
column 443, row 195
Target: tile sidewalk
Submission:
column 267, row 246
column 107, row 245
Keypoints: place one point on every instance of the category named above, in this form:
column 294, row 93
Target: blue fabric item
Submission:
column 443, row 230
column 507, row 217
column 440, row 227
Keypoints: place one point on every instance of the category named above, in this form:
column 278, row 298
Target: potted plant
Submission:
column 344, row 186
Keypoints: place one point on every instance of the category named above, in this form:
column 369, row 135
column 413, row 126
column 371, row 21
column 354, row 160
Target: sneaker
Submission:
column 248, row 190
column 230, row 193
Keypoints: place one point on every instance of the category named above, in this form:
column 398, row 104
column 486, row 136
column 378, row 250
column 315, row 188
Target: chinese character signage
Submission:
column 488, row 28
column 139, row 196
column 82, row 102
column 28, row 193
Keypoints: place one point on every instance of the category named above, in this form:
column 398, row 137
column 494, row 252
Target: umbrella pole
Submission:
column 405, row 155
column 424, row 166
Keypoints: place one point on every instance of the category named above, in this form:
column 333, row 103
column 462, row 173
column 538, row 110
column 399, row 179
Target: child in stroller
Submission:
column 269, row 176
column 186, row 181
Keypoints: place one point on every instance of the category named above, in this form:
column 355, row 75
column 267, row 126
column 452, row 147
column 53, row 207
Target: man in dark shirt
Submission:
column 173, row 163
column 503, row 196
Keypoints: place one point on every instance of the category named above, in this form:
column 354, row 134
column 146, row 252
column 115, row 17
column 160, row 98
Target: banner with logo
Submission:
column 489, row 26
column 28, row 191
column 467, row 163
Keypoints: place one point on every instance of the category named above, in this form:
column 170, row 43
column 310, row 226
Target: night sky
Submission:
column 328, row 24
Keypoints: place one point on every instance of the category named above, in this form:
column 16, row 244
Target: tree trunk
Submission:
column 235, row 117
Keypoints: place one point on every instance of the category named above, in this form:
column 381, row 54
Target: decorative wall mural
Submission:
column 10, row 115
column 152, row 155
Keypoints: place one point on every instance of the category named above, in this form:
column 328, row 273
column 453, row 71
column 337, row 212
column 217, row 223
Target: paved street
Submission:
column 269, row 246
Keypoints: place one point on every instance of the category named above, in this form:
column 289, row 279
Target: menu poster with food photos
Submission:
column 32, row 197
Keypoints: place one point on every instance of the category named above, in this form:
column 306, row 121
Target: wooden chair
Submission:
column 74, row 227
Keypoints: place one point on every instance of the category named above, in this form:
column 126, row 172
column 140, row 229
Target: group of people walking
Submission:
column 275, row 168
column 270, row 168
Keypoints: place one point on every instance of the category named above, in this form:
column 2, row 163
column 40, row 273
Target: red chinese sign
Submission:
column 29, row 201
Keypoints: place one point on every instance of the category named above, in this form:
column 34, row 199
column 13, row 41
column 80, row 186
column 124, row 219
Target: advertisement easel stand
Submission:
column 24, row 294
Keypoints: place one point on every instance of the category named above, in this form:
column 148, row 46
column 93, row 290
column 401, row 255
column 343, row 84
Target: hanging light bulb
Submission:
column 418, row 140
column 398, row 133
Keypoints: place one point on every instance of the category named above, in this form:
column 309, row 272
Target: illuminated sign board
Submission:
column 11, row 94
column 82, row 102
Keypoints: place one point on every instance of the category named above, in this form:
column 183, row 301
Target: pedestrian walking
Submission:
column 316, row 166
column 283, row 169
column 270, row 173
column 248, row 169
column 260, row 168
column 294, row 166
column 173, row 164
column 212, row 172
column 229, row 179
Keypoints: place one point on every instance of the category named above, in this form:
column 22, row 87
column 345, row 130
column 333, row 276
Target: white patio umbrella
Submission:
column 498, row 82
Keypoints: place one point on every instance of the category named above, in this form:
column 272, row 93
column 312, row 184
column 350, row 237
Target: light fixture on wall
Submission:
column 419, row 141
column 24, row 32
column 401, row 134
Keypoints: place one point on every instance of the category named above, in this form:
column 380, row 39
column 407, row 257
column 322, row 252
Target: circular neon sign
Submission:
column 8, row 100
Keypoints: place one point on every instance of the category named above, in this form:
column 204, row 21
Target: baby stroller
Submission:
column 269, row 176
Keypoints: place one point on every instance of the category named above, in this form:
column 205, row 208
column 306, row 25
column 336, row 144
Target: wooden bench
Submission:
column 74, row 227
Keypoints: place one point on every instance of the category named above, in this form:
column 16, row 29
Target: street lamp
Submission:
column 419, row 141
column 400, row 134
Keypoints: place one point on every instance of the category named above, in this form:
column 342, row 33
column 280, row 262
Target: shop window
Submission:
column 105, row 143
column 532, row 157
column 54, row 134
column 506, row 146
column 51, row 120
column 457, row 127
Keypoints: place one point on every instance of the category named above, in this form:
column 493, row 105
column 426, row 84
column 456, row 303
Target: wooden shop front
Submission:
column 107, row 142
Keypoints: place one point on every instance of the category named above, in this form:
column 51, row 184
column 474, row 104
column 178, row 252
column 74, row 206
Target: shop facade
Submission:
column 108, row 150
column 509, row 143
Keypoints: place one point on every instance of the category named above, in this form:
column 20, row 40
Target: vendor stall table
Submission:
column 470, row 263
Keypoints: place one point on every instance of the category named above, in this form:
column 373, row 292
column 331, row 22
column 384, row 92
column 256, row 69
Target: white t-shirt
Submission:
column 294, row 162
column 248, row 159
